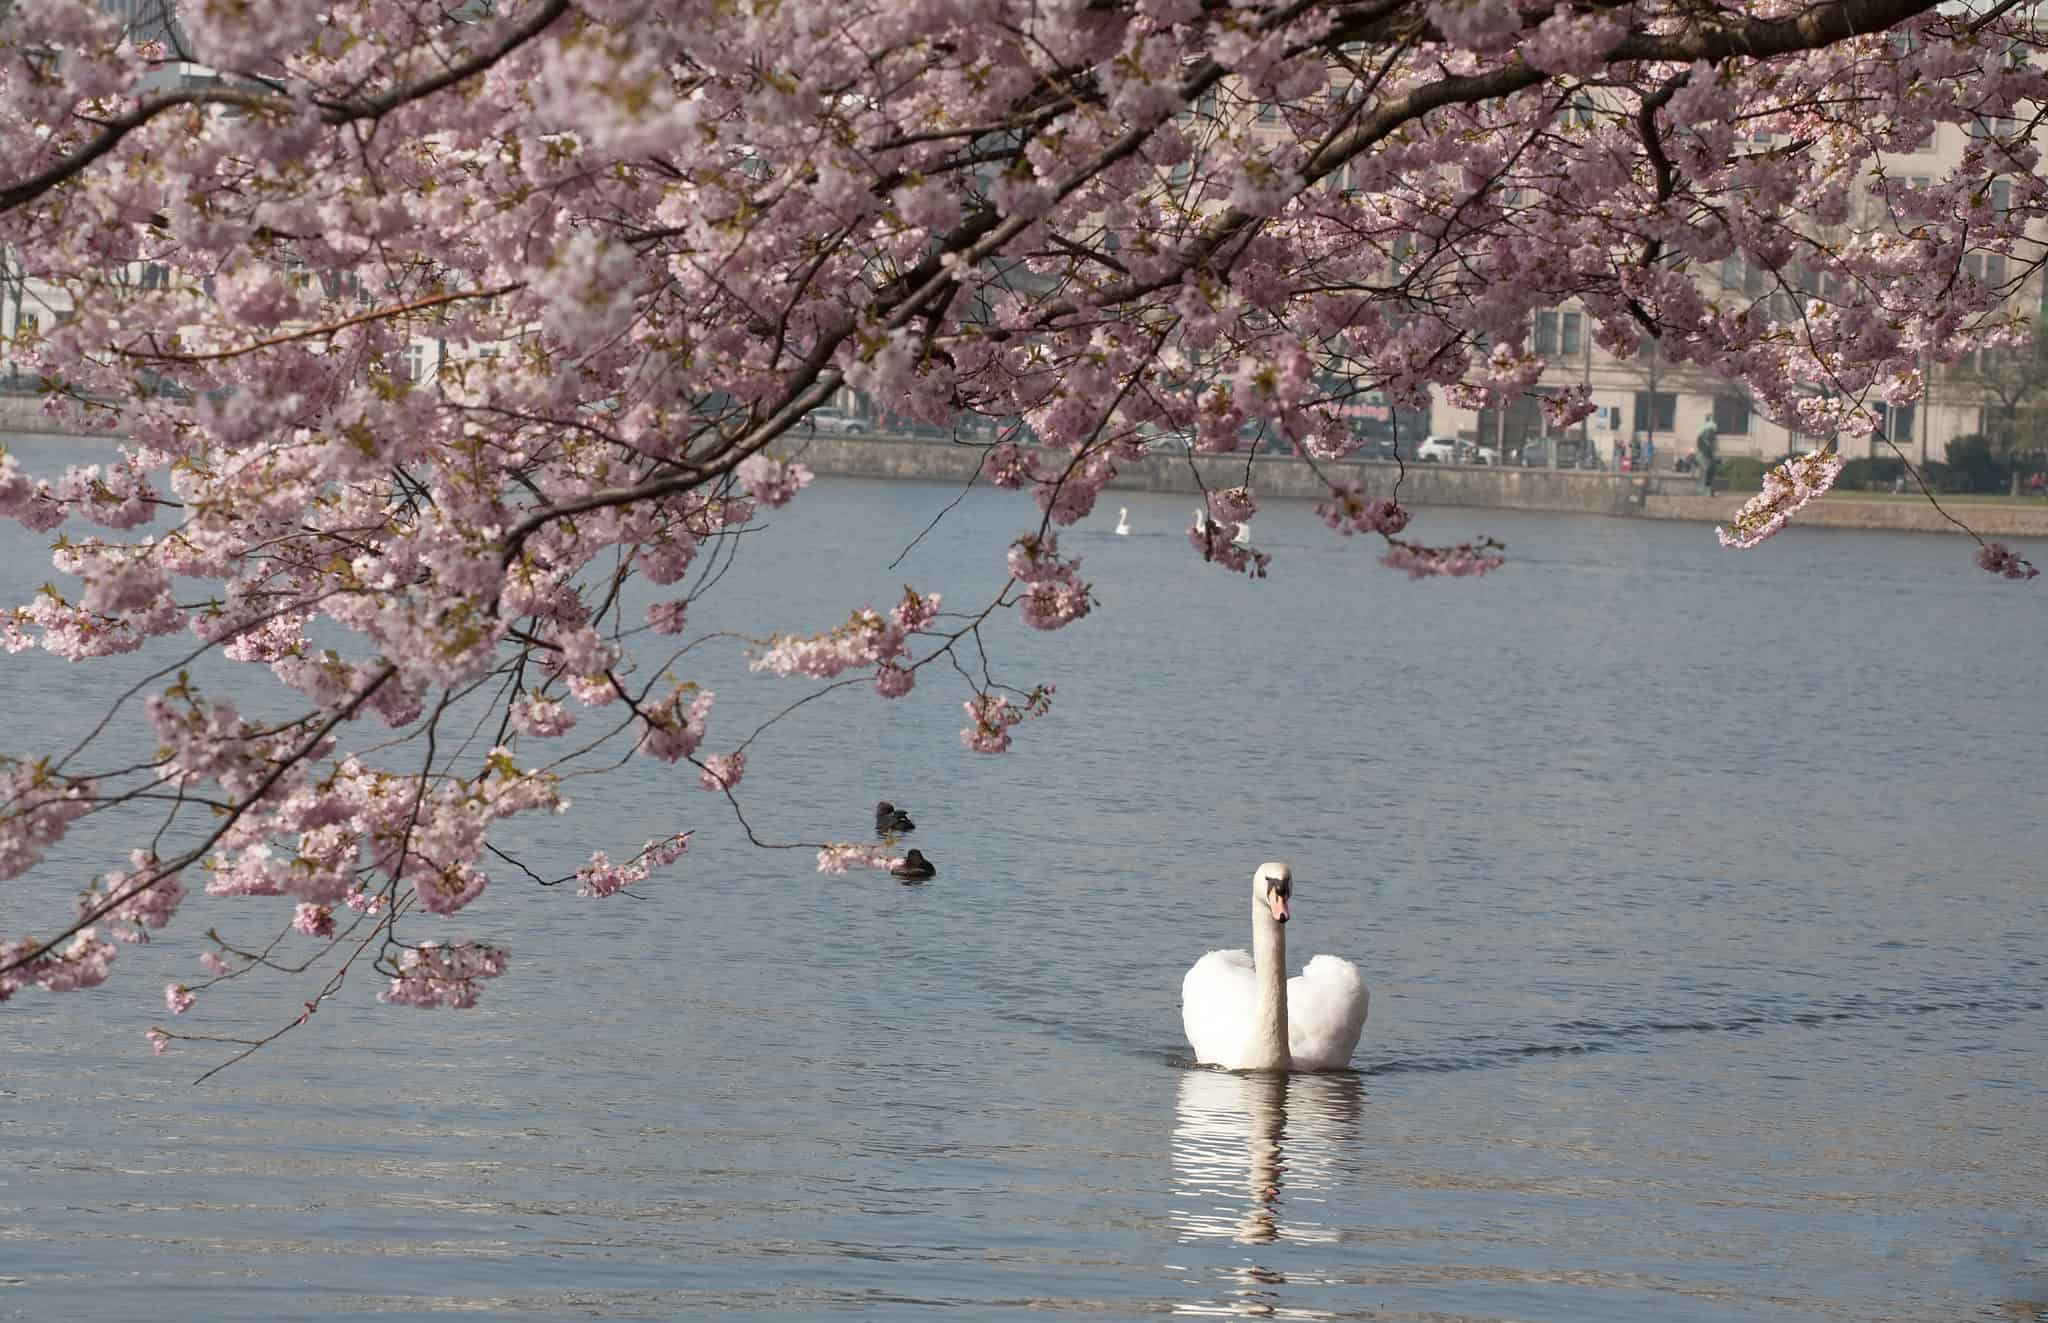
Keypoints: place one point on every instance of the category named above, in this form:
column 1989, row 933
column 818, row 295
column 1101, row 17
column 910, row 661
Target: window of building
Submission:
column 1557, row 333
column 1731, row 414
column 1663, row 417
column 2001, row 196
column 1894, row 421
column 1982, row 127
column 413, row 365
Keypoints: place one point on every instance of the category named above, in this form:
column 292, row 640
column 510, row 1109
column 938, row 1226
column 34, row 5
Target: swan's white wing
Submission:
column 1216, row 1007
column 1326, row 1005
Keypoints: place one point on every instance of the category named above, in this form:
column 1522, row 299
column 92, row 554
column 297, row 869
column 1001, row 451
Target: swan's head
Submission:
column 1272, row 887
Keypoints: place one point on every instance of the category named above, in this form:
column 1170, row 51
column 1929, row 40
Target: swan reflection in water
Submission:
column 1256, row 1158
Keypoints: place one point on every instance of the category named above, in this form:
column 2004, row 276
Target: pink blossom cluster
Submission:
column 914, row 611
column 771, row 481
column 1787, row 489
column 2002, row 560
column 838, row 858
column 672, row 730
column 1461, row 561
column 1053, row 594
column 147, row 896
column 36, row 808
column 990, row 716
column 85, row 963
column 1218, row 546
column 542, row 718
column 722, row 771
column 281, row 635
column 313, row 920
column 432, row 974
column 667, row 617
column 602, row 877
column 1573, row 43
column 866, row 639
column 1349, row 510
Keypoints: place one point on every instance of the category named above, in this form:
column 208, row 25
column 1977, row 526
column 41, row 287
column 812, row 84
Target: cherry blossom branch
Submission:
column 120, row 126
column 329, row 328
column 93, row 913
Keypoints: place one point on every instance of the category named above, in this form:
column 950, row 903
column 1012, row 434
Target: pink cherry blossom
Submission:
column 1464, row 560
column 1999, row 559
column 602, row 877
column 893, row 681
column 770, row 481
column 313, row 920
column 838, row 858
column 432, row 974
column 1787, row 489
column 542, row 718
column 453, row 352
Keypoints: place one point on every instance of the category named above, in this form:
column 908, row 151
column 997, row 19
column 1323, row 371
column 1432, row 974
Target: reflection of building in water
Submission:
column 1255, row 1156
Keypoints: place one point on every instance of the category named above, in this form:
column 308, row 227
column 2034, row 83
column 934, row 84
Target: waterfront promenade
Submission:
column 1569, row 491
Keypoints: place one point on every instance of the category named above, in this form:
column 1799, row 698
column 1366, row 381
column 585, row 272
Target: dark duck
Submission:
column 914, row 867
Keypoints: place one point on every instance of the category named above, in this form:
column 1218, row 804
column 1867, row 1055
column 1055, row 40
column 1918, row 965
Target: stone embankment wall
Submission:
column 24, row 413
column 1659, row 496
column 1271, row 475
column 1988, row 518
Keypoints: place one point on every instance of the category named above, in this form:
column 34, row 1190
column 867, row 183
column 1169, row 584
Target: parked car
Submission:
column 1171, row 442
column 820, row 421
column 1438, row 450
column 1482, row 455
column 1380, row 448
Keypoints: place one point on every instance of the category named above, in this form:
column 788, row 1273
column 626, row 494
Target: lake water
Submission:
column 1704, row 897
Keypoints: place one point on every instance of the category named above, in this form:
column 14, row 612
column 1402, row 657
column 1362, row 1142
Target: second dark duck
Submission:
column 892, row 821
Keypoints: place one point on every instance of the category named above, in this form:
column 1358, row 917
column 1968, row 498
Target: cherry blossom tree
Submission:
column 432, row 326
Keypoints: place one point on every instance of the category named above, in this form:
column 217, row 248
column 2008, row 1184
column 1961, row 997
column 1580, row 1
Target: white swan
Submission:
column 1201, row 519
column 1123, row 522
column 1242, row 1012
column 1243, row 537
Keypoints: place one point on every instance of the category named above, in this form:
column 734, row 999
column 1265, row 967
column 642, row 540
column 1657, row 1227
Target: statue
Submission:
column 1703, row 448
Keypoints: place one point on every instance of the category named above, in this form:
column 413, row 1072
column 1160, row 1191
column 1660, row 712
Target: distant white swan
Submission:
column 1242, row 1012
column 1123, row 522
column 1244, row 536
column 1201, row 520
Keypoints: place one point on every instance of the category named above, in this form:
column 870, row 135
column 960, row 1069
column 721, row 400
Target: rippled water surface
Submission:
column 1702, row 897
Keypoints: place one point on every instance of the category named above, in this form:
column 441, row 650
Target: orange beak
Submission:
column 1278, row 904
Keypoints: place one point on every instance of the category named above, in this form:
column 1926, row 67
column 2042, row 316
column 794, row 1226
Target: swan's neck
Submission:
column 1268, row 1048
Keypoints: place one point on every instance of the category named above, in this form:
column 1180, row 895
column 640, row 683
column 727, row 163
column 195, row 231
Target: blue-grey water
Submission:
column 1704, row 897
